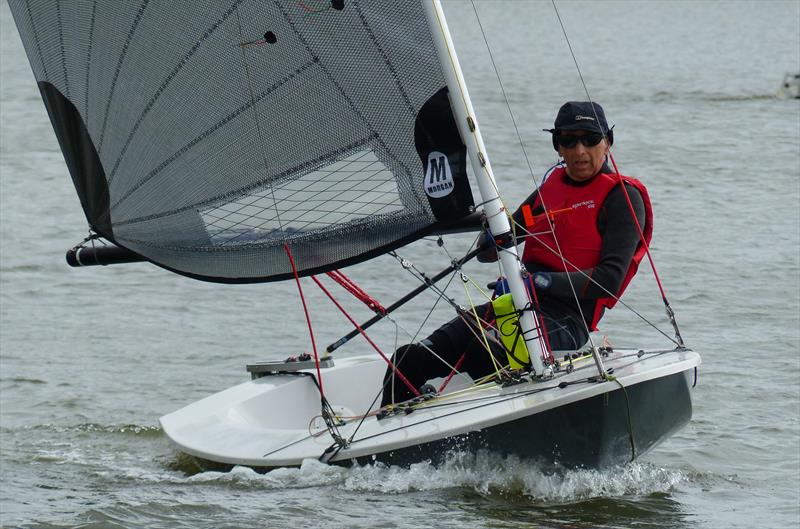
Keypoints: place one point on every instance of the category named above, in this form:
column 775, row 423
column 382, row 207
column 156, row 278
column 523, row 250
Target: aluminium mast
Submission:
column 476, row 151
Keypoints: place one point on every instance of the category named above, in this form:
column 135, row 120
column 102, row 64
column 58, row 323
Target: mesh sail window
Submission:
column 207, row 135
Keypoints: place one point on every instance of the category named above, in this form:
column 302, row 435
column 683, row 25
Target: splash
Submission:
column 90, row 427
column 490, row 474
column 484, row 473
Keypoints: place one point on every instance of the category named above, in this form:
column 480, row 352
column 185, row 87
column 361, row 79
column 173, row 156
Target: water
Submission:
column 89, row 359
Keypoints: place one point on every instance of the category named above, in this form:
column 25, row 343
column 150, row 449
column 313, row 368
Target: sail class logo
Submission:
column 438, row 177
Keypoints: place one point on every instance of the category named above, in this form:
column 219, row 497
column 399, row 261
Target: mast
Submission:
column 476, row 150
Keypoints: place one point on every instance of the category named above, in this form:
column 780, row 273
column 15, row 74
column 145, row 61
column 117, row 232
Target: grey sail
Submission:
column 210, row 137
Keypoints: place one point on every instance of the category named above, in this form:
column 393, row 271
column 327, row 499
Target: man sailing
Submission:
column 579, row 268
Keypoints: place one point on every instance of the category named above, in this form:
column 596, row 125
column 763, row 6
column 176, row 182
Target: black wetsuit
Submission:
column 565, row 328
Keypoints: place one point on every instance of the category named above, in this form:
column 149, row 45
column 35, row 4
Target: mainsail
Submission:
column 209, row 136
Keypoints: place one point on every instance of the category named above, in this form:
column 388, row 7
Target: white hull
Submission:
column 274, row 421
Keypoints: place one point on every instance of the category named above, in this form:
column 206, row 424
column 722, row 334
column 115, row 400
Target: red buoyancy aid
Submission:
column 573, row 211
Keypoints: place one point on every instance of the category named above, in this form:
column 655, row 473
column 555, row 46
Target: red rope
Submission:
column 452, row 373
column 639, row 229
column 544, row 338
column 364, row 334
column 308, row 318
column 349, row 285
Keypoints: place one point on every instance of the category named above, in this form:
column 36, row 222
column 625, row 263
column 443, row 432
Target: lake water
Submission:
column 89, row 359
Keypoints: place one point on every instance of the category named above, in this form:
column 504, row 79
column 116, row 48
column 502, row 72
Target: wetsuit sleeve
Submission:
column 620, row 240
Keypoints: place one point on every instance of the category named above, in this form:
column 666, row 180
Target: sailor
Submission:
column 578, row 269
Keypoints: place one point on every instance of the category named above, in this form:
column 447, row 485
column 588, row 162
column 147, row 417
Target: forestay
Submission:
column 205, row 136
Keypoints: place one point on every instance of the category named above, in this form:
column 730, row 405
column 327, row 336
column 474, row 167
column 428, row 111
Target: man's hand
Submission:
column 542, row 280
column 488, row 253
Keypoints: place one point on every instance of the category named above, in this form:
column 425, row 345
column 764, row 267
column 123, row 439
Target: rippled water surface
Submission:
column 89, row 359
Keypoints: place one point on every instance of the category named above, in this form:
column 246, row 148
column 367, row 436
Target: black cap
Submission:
column 579, row 115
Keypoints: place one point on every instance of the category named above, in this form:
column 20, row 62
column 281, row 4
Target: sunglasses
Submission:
column 568, row 142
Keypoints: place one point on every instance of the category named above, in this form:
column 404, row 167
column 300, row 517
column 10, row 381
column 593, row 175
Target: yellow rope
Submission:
column 497, row 366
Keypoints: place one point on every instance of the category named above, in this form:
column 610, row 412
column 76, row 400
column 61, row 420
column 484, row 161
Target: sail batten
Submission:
column 165, row 84
column 204, row 136
column 129, row 37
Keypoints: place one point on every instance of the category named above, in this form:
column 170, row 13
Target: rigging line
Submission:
column 364, row 334
column 412, row 269
column 456, row 267
column 482, row 330
column 503, row 90
column 670, row 312
column 559, row 253
column 421, row 276
column 395, row 348
column 479, row 400
column 453, row 372
column 550, row 222
column 308, row 318
column 258, row 125
column 404, row 299
column 484, row 382
column 604, row 289
column 383, row 388
column 375, row 399
column 499, row 399
column 578, row 68
column 442, row 400
column 572, row 52
column 441, row 295
column 627, row 414
column 540, row 330
column 331, row 427
column 394, row 367
column 564, row 263
column 544, row 336
column 430, row 312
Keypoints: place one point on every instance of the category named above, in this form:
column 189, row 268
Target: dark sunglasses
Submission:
column 568, row 142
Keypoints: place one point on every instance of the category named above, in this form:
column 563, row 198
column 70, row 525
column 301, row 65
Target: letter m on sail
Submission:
column 438, row 180
column 437, row 168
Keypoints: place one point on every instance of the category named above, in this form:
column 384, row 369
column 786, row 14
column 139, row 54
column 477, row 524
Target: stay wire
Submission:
column 597, row 284
column 516, row 129
column 574, row 58
column 668, row 308
column 560, row 254
column 503, row 90
column 528, row 163
column 440, row 294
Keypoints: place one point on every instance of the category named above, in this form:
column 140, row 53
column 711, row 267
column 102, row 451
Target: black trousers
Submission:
column 455, row 338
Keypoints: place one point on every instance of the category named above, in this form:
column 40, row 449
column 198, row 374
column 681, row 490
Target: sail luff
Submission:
column 476, row 151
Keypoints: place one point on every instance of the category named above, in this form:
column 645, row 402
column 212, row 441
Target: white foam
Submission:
column 485, row 473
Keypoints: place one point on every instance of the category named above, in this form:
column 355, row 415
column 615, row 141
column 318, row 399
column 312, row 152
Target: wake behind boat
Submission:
column 280, row 140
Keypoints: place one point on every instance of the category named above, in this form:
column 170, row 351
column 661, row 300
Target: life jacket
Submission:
column 573, row 211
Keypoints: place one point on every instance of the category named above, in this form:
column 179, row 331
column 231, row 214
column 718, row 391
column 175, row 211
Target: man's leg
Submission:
column 430, row 358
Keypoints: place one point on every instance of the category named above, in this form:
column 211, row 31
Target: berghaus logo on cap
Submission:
column 579, row 118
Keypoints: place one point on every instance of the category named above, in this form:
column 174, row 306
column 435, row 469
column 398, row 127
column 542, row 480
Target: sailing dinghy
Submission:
column 254, row 141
